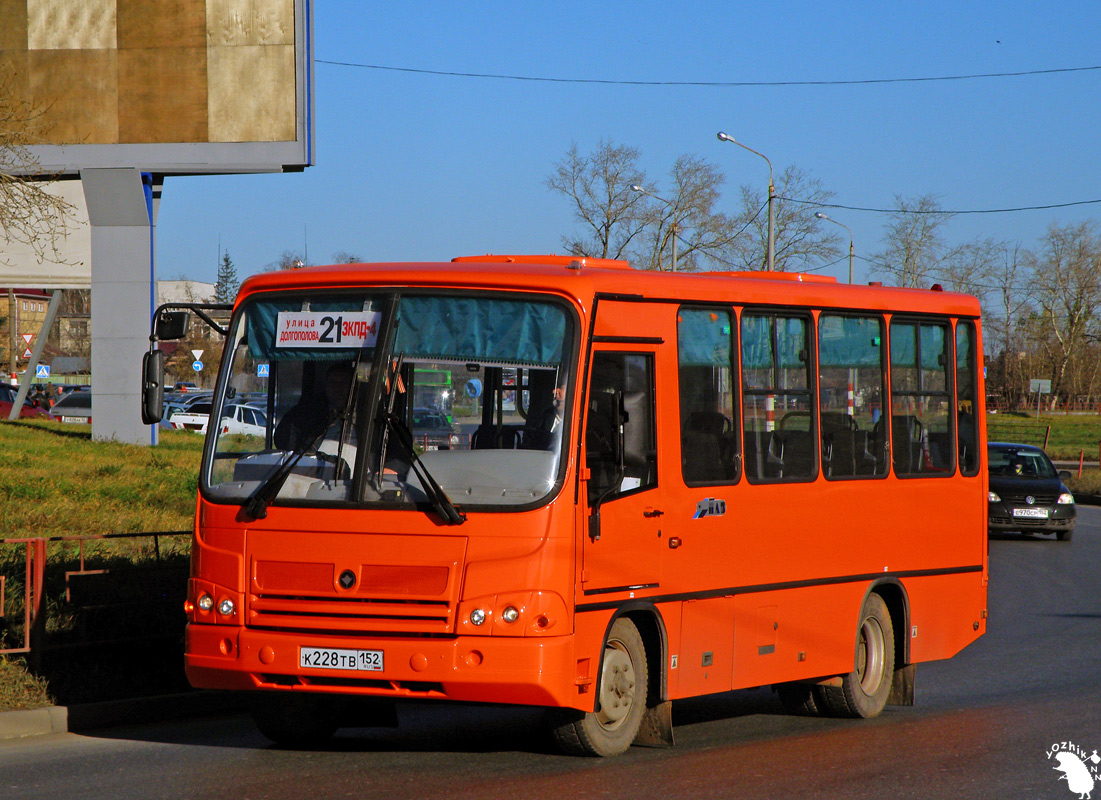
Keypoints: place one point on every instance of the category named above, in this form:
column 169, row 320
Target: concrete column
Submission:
column 124, row 279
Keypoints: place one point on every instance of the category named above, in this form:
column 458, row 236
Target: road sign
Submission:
column 42, row 371
column 27, row 337
column 1038, row 385
column 197, row 353
column 261, row 370
column 197, row 366
column 27, row 353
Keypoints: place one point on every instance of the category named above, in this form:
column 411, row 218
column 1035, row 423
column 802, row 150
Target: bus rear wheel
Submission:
column 864, row 691
column 621, row 699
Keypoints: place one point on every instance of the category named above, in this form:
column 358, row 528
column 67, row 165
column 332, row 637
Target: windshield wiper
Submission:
column 441, row 503
column 257, row 504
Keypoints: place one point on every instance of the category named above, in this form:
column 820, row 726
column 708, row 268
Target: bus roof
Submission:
column 585, row 278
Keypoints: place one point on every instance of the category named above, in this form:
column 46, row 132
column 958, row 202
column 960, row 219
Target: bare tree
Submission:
column 915, row 252
column 599, row 185
column 1003, row 325
column 29, row 214
column 1066, row 287
column 288, row 259
column 344, row 257
column 973, row 267
column 705, row 238
column 801, row 242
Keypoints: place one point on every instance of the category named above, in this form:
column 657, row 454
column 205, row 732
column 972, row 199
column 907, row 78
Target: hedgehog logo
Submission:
column 1079, row 770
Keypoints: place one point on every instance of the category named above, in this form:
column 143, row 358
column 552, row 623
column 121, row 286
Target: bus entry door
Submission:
column 622, row 546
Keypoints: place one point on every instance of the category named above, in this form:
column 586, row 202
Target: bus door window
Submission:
column 620, row 435
column 921, row 400
column 850, row 395
column 707, row 421
column 777, row 413
column 966, row 398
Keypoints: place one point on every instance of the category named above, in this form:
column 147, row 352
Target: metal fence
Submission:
column 97, row 598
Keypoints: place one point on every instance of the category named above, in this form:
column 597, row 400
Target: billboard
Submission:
column 172, row 87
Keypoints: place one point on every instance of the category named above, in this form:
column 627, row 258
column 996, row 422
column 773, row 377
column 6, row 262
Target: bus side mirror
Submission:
column 152, row 387
column 170, row 325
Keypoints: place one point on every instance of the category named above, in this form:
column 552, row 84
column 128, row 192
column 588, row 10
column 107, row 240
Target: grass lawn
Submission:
column 55, row 481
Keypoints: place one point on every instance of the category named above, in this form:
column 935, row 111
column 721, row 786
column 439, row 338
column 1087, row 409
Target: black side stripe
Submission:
column 773, row 587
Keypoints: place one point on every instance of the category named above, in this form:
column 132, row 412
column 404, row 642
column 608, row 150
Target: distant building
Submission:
column 68, row 347
column 185, row 292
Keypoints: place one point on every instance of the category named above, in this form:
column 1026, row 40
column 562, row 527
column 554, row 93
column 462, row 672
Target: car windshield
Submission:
column 1020, row 462
column 378, row 399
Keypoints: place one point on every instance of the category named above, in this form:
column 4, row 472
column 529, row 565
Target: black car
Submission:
column 1027, row 493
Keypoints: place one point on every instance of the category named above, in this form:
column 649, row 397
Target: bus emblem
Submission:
column 710, row 507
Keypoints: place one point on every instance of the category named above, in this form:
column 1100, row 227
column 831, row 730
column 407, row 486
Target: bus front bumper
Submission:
column 520, row 670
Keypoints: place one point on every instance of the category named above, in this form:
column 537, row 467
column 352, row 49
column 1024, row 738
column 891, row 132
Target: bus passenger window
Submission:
column 966, row 410
column 620, row 433
column 777, row 413
column 708, row 441
column 922, row 421
column 850, row 396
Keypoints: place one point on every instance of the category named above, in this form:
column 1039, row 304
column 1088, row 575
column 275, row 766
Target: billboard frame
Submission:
column 203, row 158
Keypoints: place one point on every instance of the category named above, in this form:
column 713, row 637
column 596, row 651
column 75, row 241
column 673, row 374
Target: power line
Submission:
column 710, row 84
column 942, row 210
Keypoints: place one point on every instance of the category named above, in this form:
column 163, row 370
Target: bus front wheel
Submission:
column 294, row 720
column 611, row 727
column 864, row 691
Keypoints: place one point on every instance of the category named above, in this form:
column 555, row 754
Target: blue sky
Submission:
column 427, row 167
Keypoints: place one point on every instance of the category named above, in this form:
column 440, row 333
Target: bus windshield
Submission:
column 381, row 399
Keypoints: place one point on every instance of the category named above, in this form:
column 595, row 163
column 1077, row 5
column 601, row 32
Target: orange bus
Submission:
column 658, row 486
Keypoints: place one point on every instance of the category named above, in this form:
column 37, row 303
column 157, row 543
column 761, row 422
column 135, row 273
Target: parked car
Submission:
column 7, row 397
column 193, row 417
column 186, row 386
column 75, row 407
column 244, row 419
column 1027, row 493
column 432, row 431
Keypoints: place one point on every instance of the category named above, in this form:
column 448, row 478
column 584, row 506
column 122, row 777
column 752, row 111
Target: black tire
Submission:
column 620, row 703
column 864, row 691
column 294, row 720
column 801, row 699
column 1065, row 535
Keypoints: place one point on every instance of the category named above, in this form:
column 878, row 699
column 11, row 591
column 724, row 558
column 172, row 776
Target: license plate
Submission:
column 340, row 658
column 1036, row 513
column 78, row 420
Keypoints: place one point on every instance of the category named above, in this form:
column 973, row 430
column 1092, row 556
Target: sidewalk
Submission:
column 90, row 716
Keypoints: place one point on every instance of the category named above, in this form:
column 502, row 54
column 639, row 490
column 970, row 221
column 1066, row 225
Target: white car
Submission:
column 244, row 419
column 192, row 418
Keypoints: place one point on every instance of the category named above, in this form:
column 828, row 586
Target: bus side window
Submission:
column 708, row 439
column 966, row 398
column 850, row 395
column 922, row 422
column 778, row 420
column 620, row 435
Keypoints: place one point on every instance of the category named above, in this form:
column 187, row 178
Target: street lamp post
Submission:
column 636, row 188
column 771, row 199
column 820, row 215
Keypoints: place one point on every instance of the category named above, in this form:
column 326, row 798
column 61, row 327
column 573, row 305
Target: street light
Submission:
column 771, row 199
column 636, row 188
column 820, row 215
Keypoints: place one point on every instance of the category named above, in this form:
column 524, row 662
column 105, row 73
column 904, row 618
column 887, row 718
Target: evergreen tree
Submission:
column 225, row 290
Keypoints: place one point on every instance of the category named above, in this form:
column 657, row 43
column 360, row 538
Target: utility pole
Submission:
column 13, row 332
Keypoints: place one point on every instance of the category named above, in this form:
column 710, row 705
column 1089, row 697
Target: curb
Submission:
column 91, row 716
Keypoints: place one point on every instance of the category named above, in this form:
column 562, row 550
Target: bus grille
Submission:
column 363, row 584
column 350, row 615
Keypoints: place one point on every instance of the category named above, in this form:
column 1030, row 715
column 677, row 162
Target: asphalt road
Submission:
column 984, row 726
